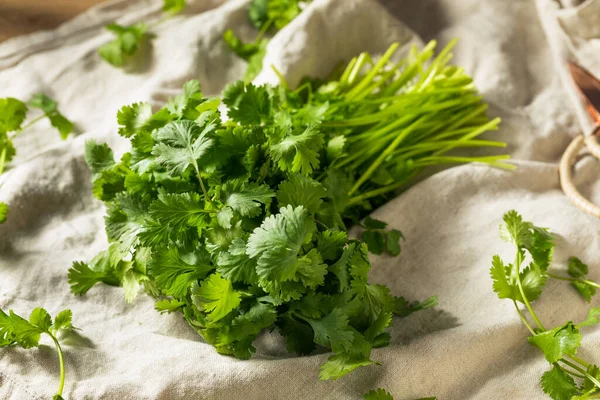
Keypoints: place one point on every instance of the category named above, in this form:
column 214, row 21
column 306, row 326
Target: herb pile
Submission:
column 266, row 16
column 15, row 330
column 570, row 377
column 240, row 225
column 129, row 39
column 13, row 113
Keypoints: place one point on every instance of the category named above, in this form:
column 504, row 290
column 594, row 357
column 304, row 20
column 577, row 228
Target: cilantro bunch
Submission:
column 129, row 39
column 17, row 331
column 571, row 377
column 241, row 224
column 266, row 16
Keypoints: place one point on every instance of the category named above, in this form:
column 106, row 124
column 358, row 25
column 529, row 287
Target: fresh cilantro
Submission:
column 13, row 113
column 379, row 239
column 50, row 109
column 17, row 331
column 3, row 212
column 525, row 284
column 241, row 225
column 129, row 39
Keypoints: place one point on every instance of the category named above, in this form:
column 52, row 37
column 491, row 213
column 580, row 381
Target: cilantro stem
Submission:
column 202, row 184
column 575, row 374
column 28, row 125
column 282, row 80
column 580, row 361
column 2, row 160
column 518, row 262
column 385, row 154
column 583, row 372
column 160, row 21
column 263, row 30
column 61, row 360
column 564, row 278
column 523, row 318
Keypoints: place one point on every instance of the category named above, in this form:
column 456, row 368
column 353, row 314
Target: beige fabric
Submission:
column 472, row 346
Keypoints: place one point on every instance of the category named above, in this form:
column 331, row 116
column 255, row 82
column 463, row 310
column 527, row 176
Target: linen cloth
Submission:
column 472, row 346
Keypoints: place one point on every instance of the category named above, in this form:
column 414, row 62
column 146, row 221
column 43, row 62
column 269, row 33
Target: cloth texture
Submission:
column 472, row 346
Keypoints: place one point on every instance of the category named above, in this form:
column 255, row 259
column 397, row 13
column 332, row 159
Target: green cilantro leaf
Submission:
column 558, row 384
column 277, row 242
column 557, row 342
column 215, row 296
column 12, row 114
column 99, row 157
column 173, row 6
column 378, row 394
column 180, row 145
column 515, row 230
column 132, row 118
column 257, row 13
column 248, row 104
column 404, row 308
column 246, row 198
column 300, row 190
column 168, row 306
column 375, row 240
column 577, row 268
column 298, row 153
column 236, row 265
column 592, row 319
column 175, row 273
column 50, row 109
column 128, row 41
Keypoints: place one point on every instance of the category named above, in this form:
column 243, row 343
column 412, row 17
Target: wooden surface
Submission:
column 23, row 16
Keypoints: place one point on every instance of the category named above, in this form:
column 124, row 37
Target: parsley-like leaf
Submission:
column 215, row 296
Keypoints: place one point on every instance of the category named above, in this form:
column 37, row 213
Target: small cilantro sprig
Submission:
column 13, row 113
column 129, row 39
column 382, row 394
column 266, row 16
column 570, row 377
column 17, row 331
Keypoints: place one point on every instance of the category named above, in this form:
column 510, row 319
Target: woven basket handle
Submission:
column 565, row 171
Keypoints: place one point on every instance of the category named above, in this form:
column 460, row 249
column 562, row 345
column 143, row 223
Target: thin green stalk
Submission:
column 362, row 59
column 564, row 278
column 517, row 267
column 575, row 374
column 28, row 125
column 493, row 124
column 383, row 190
column 202, row 184
column 263, row 30
column 422, row 148
column 580, row 361
column 282, row 80
column 355, row 91
column 160, row 21
column 347, row 71
column 2, row 160
column 523, row 318
column 369, row 172
column 581, row 371
column 61, row 361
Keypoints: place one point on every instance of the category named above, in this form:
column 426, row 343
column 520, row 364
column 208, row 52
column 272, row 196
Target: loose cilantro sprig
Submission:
column 382, row 394
column 379, row 239
column 266, row 16
column 570, row 377
column 17, row 331
column 130, row 38
column 13, row 113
